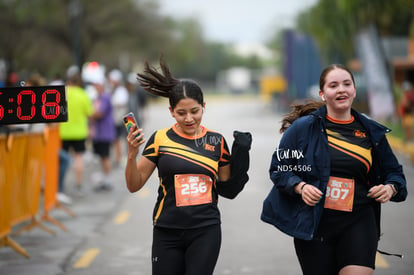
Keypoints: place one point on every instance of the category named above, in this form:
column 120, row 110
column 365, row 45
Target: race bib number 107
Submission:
column 192, row 189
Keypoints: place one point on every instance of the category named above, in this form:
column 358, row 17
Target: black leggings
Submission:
column 355, row 244
column 185, row 251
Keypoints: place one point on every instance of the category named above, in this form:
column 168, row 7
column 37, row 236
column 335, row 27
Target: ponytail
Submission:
column 299, row 110
column 156, row 83
column 164, row 84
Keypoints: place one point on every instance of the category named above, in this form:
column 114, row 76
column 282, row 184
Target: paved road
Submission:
column 111, row 233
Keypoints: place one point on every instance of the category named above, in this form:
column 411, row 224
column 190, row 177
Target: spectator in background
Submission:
column 119, row 100
column 137, row 98
column 64, row 157
column 12, row 79
column 131, row 85
column 406, row 110
column 64, row 163
column 35, row 79
column 3, row 74
column 74, row 132
column 57, row 80
column 102, row 130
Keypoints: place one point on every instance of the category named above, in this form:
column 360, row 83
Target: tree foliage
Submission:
column 334, row 24
column 48, row 36
column 39, row 35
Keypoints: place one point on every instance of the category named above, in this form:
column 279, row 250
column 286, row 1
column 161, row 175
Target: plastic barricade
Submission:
column 27, row 158
column 5, row 202
column 6, row 165
column 15, row 177
column 51, row 168
column 51, row 184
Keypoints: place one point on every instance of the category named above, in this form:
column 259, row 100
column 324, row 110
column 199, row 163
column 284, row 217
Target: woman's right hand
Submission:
column 310, row 194
column 134, row 139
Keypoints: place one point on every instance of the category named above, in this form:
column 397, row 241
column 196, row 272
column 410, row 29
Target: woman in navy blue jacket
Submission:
column 331, row 172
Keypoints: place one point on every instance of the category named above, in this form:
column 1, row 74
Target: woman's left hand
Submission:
column 381, row 193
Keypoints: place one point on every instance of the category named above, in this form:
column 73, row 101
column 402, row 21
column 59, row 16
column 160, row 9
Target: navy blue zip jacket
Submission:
column 303, row 155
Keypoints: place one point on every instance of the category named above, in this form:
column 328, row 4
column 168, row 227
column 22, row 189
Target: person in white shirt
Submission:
column 119, row 99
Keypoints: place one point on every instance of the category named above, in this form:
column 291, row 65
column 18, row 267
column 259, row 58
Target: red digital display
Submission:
column 33, row 104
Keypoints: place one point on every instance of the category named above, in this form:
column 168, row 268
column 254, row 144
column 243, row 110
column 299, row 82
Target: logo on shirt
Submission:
column 209, row 143
column 360, row 134
column 209, row 147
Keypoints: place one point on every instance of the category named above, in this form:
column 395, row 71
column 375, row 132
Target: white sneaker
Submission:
column 63, row 198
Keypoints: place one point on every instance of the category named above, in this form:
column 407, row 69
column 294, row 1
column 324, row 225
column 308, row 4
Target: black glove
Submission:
column 239, row 165
column 242, row 139
column 240, row 159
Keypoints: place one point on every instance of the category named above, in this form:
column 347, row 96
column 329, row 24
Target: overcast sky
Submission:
column 238, row 21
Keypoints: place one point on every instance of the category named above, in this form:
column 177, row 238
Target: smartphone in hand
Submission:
column 129, row 121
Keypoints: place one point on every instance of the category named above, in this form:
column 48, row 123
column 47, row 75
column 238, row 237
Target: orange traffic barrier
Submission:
column 52, row 176
column 27, row 156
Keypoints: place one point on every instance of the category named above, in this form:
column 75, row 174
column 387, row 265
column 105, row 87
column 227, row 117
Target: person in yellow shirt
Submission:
column 75, row 131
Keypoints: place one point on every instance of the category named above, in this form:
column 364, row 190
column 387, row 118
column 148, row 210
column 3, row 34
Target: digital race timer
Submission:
column 33, row 104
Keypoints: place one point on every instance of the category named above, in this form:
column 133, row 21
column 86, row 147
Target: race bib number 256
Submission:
column 192, row 189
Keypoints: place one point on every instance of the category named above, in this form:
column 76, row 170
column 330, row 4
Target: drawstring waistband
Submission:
column 390, row 254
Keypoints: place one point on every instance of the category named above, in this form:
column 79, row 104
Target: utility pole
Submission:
column 75, row 10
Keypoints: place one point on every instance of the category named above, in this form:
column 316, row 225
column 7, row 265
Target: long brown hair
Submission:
column 299, row 110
